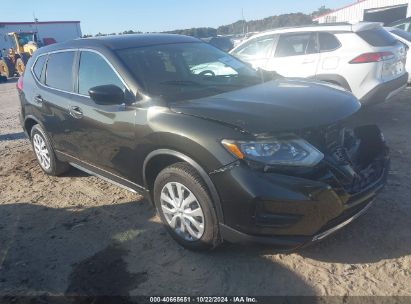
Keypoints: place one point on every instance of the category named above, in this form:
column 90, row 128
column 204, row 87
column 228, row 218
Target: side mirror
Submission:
column 107, row 95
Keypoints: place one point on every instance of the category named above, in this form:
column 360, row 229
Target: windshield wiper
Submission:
column 182, row 83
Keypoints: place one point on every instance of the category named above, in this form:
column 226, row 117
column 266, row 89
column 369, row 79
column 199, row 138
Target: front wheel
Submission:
column 185, row 207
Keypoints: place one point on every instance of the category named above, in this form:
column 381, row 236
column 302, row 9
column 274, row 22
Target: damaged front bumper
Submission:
column 289, row 209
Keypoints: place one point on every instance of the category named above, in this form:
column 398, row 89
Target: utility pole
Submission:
column 244, row 22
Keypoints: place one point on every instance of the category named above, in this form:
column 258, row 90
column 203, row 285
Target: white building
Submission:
column 385, row 11
column 57, row 31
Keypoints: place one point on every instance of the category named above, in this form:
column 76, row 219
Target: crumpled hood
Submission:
column 276, row 106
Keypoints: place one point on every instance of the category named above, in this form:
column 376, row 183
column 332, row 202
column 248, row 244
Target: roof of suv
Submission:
column 337, row 27
column 117, row 42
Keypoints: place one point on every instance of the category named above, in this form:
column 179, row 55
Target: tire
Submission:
column 183, row 176
column 20, row 66
column 47, row 159
column 6, row 68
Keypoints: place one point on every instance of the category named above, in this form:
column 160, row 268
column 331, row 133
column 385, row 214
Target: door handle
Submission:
column 76, row 112
column 307, row 61
column 38, row 99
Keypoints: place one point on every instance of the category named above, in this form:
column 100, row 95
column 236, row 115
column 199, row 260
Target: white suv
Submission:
column 363, row 58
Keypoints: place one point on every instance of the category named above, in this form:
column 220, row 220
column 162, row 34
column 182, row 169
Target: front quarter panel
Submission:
column 198, row 138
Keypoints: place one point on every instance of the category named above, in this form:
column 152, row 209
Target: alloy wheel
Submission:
column 182, row 211
column 42, row 153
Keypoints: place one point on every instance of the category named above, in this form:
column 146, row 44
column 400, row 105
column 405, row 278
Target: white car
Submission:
column 404, row 37
column 362, row 58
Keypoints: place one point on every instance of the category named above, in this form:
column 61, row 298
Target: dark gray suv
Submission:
column 224, row 152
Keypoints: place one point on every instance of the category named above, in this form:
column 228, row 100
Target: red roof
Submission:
column 40, row 22
column 339, row 9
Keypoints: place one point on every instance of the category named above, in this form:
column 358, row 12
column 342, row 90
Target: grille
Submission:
column 332, row 138
column 342, row 146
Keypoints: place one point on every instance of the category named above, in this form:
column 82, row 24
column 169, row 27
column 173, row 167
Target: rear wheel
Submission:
column 45, row 154
column 6, row 68
column 185, row 207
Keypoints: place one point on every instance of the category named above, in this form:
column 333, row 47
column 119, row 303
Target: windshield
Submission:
column 25, row 38
column 187, row 70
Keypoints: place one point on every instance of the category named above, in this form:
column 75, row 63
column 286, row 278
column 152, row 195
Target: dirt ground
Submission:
column 77, row 234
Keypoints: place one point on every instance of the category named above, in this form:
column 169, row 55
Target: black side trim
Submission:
column 381, row 92
column 103, row 174
column 195, row 165
column 334, row 78
column 283, row 242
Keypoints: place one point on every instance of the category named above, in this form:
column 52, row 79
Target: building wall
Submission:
column 59, row 31
column 355, row 12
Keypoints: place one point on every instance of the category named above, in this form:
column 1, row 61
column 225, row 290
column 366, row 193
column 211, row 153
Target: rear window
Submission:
column 296, row 44
column 59, row 73
column 328, row 42
column 38, row 66
column 377, row 37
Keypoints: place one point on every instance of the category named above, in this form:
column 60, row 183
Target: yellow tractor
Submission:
column 13, row 61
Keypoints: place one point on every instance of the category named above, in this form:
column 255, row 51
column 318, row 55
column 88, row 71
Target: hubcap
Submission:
column 182, row 211
column 42, row 153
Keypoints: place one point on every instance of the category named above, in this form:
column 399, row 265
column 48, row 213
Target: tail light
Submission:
column 19, row 84
column 373, row 57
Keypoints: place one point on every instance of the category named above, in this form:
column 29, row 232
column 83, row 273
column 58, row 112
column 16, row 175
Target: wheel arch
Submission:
column 29, row 122
column 166, row 157
column 334, row 78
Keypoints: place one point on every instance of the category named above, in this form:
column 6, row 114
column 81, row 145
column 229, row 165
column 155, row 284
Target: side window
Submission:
column 403, row 26
column 95, row 71
column 328, row 42
column 258, row 48
column 296, row 44
column 38, row 66
column 59, row 71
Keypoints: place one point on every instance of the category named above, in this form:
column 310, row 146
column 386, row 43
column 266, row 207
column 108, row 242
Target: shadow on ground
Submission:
column 119, row 250
column 12, row 136
column 9, row 80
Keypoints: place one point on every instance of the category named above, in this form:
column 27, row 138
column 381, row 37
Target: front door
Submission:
column 257, row 51
column 101, row 135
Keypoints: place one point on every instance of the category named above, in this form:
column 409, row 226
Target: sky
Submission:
column 113, row 16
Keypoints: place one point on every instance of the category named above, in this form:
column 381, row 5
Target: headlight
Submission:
column 287, row 152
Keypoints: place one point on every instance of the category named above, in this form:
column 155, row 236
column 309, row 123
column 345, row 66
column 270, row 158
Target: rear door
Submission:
column 101, row 135
column 295, row 55
column 54, row 93
column 329, row 59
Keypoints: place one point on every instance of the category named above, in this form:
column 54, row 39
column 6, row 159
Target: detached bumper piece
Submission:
column 290, row 209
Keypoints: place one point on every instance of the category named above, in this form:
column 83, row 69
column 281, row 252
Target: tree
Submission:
column 294, row 19
column 199, row 32
column 321, row 11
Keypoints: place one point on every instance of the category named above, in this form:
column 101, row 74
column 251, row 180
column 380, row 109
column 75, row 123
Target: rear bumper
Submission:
column 385, row 91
